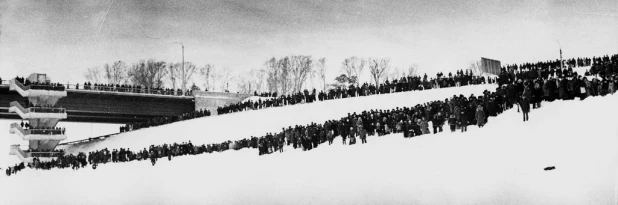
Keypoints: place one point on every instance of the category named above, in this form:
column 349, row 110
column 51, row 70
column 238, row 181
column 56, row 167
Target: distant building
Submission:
column 490, row 66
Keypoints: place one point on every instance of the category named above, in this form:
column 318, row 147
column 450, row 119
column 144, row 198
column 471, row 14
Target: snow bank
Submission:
column 501, row 163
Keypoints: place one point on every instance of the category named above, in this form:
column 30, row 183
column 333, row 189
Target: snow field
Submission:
column 501, row 163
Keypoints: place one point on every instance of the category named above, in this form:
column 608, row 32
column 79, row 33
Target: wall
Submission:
column 212, row 100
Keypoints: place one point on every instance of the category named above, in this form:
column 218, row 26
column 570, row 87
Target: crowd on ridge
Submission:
column 404, row 84
column 401, row 85
column 517, row 87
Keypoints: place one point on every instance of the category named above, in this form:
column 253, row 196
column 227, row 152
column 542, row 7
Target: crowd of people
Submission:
column 404, row 84
column 40, row 85
column 133, row 89
column 164, row 120
column 569, row 63
column 42, row 130
column 518, row 87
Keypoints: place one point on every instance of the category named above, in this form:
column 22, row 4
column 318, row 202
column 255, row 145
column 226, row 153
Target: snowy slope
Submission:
column 501, row 163
column 242, row 125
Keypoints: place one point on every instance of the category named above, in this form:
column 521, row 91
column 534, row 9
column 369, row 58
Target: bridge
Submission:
column 104, row 106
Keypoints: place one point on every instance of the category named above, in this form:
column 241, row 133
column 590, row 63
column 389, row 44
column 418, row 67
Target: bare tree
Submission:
column 378, row 69
column 148, row 73
column 320, row 72
column 116, row 73
column 184, row 73
column 256, row 79
column 173, row 76
column 301, row 68
column 288, row 74
column 285, row 66
column 158, row 68
column 272, row 73
column 412, row 70
column 207, row 73
column 353, row 67
column 224, row 77
column 247, row 82
column 93, row 75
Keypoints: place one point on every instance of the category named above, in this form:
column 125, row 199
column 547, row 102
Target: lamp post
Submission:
column 182, row 81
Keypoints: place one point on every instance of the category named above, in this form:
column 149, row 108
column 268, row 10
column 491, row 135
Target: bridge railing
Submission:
column 125, row 89
column 37, row 131
column 39, row 86
column 46, row 154
column 45, row 131
column 37, row 109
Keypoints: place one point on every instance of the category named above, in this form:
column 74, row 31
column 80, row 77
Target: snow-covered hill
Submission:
column 242, row 125
column 501, row 163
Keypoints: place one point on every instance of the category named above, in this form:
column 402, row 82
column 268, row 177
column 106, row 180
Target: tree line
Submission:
column 284, row 75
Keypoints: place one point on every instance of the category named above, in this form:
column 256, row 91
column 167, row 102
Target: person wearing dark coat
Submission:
column 363, row 135
column 463, row 121
column 525, row 107
column 437, row 122
column 480, row 116
column 352, row 137
column 330, row 137
column 452, row 122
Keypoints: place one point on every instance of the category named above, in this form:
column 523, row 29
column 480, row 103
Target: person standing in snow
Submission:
column 463, row 121
column 525, row 107
column 611, row 86
column 352, row 136
column 437, row 121
column 480, row 116
column 424, row 125
column 363, row 135
column 452, row 122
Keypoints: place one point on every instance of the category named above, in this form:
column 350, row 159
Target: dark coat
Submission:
column 480, row 117
column 525, row 105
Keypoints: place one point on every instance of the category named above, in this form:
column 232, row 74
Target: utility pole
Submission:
column 184, row 87
column 561, row 65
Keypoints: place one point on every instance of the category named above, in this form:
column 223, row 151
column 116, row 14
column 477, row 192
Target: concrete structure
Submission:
column 105, row 106
column 42, row 116
column 490, row 66
column 211, row 100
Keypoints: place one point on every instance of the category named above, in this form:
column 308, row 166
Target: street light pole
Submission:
column 182, row 80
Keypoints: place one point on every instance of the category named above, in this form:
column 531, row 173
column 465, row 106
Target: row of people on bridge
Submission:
column 40, row 85
column 133, row 89
column 409, row 83
column 458, row 112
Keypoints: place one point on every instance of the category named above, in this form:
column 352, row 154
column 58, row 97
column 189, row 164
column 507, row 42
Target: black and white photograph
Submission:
column 338, row 102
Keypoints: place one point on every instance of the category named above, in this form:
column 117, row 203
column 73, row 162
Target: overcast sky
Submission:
column 62, row 37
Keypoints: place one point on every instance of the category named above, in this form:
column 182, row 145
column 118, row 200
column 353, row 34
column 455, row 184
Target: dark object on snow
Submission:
column 550, row 168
